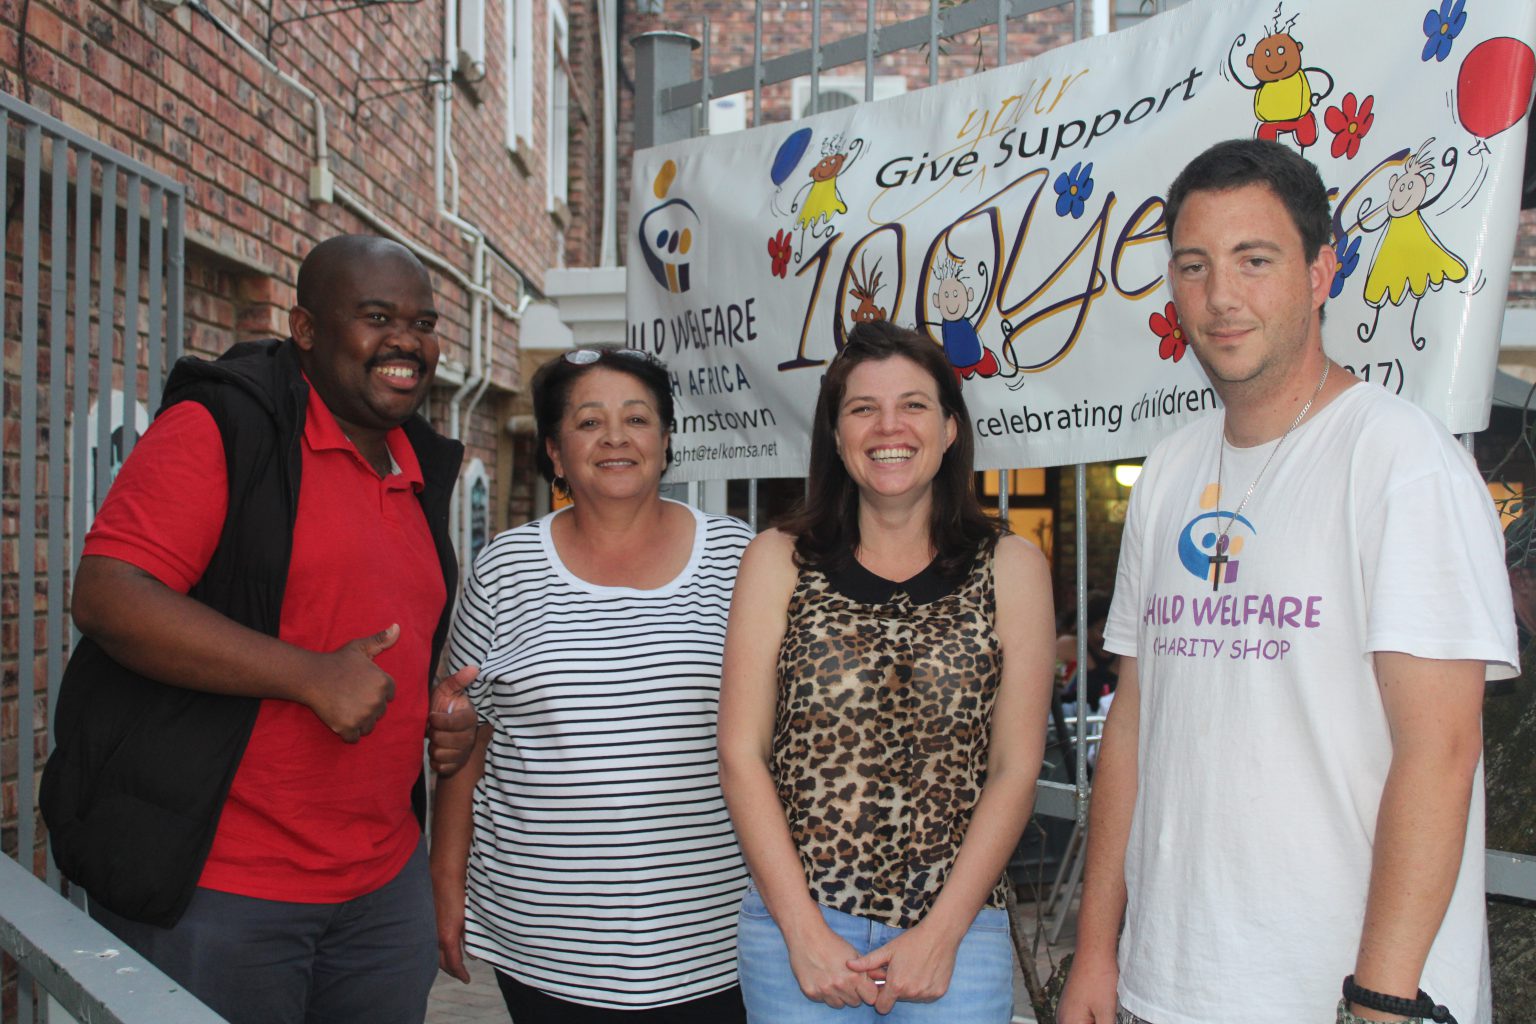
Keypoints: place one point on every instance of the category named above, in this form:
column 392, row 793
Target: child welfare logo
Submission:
column 1221, row 535
column 1225, row 624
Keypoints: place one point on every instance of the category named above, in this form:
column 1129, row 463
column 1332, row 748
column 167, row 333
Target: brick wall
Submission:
column 174, row 91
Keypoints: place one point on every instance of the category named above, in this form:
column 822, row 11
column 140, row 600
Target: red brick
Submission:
column 44, row 27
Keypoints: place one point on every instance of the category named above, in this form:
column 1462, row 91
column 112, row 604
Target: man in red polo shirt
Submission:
column 263, row 597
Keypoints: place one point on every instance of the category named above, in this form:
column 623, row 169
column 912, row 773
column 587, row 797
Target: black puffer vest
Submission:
column 133, row 790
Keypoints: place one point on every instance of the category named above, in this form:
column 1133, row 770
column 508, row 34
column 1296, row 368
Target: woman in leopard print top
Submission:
column 880, row 740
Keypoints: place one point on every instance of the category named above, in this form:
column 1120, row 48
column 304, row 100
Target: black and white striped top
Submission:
column 603, row 868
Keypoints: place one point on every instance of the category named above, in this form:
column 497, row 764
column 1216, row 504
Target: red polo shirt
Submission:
column 309, row 818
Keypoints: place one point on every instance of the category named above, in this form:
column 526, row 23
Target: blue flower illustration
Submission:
column 1073, row 189
column 1442, row 26
column 1348, row 252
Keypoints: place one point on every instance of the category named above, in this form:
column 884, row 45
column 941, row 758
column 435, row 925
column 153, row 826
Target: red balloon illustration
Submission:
column 1493, row 87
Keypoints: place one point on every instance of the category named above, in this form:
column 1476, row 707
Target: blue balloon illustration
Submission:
column 790, row 152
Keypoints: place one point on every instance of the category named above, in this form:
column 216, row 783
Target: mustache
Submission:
column 1225, row 325
column 395, row 356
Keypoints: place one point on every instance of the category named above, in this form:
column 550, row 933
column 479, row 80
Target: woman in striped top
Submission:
column 585, row 850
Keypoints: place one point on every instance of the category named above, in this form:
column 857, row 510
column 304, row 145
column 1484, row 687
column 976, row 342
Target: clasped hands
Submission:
column 912, row 967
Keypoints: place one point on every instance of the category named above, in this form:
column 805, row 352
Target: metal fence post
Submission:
column 662, row 60
column 26, row 556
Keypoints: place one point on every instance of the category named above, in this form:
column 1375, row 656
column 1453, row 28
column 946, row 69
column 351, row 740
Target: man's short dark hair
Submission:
column 1238, row 162
column 317, row 274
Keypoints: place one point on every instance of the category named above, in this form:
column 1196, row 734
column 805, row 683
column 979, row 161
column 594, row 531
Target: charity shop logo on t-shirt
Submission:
column 1210, row 543
column 1236, row 622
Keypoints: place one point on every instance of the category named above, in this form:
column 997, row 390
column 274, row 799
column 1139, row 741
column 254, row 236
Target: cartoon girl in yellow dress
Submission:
column 821, row 200
column 1410, row 258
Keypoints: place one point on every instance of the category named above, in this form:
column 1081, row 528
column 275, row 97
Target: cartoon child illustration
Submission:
column 962, row 345
column 1410, row 259
column 866, row 287
column 822, row 201
column 1283, row 96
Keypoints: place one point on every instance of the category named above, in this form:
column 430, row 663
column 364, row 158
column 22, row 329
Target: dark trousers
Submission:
column 256, row 961
column 528, row 1005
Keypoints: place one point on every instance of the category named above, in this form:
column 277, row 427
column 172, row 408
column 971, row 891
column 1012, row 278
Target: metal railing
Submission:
column 90, row 333
column 90, row 975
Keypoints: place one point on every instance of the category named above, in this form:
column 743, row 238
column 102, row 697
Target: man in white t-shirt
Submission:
column 1310, row 593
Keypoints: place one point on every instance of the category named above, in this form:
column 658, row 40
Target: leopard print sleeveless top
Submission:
column 881, row 734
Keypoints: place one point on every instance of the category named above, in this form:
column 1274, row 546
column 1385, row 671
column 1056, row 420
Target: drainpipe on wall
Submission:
column 479, row 369
column 609, row 54
column 321, row 181
column 445, row 163
column 489, row 339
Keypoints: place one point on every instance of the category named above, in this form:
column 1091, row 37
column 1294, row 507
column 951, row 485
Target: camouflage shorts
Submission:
column 1343, row 1017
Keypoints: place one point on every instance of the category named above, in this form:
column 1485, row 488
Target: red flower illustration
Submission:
column 1349, row 125
column 779, row 250
column 1166, row 326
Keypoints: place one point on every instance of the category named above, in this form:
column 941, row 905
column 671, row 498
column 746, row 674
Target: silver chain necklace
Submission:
column 1219, row 559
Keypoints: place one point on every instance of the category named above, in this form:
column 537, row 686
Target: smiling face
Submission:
column 1276, row 58
column 369, row 345
column 891, row 430
column 952, row 298
column 611, row 442
column 1248, row 297
column 1407, row 192
column 827, row 167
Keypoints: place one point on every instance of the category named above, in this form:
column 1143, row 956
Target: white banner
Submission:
column 1016, row 218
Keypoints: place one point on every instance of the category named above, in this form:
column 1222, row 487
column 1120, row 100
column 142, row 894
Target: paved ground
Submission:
column 480, row 1001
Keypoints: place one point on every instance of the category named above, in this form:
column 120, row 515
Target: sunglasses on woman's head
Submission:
column 588, row 356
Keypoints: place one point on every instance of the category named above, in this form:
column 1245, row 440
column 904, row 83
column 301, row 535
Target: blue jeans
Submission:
column 980, row 990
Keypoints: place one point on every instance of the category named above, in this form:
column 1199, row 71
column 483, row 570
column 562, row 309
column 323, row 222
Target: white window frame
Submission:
column 517, row 31
column 557, row 110
column 471, row 41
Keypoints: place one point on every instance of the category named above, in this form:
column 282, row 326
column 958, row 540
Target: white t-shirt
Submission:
column 603, row 868
column 1264, row 745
